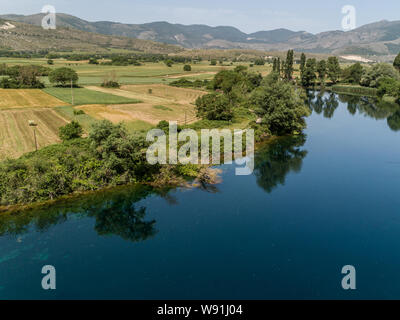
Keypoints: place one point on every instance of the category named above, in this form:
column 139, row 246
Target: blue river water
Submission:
column 314, row 204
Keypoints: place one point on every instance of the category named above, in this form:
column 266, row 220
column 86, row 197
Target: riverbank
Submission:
column 207, row 175
column 353, row 90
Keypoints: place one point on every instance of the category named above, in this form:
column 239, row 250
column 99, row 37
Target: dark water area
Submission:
column 314, row 204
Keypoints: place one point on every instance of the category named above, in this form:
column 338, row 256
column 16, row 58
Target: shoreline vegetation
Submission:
column 208, row 176
column 107, row 156
column 353, row 90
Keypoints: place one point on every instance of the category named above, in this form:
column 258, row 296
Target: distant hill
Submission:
column 26, row 37
column 376, row 39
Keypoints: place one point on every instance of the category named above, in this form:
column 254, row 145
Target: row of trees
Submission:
column 21, row 77
column 25, row 77
column 311, row 70
column 284, row 67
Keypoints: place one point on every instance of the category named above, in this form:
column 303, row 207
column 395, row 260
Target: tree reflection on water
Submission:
column 327, row 103
column 275, row 160
column 115, row 213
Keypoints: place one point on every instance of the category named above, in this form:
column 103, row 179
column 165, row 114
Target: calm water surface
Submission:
column 314, row 204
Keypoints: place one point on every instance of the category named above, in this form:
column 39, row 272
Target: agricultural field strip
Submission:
column 17, row 136
column 129, row 94
column 22, row 98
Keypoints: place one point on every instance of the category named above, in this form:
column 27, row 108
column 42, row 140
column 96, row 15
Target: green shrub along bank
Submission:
column 108, row 157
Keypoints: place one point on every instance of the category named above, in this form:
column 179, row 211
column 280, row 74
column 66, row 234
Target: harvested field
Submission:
column 16, row 136
column 23, row 98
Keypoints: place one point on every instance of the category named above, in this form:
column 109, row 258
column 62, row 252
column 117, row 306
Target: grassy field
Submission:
column 22, row 98
column 16, row 136
column 85, row 96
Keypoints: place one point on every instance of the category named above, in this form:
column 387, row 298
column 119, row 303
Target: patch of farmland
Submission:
column 84, row 96
column 17, row 137
column 22, row 98
column 172, row 94
column 177, row 103
column 115, row 114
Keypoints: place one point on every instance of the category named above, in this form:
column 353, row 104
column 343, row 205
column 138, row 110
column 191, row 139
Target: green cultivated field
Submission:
column 84, row 96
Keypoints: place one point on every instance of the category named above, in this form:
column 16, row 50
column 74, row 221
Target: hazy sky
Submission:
column 249, row 16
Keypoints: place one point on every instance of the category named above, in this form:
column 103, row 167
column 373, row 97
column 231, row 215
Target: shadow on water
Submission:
column 115, row 213
column 326, row 104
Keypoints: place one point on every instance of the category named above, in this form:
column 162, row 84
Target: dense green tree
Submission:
column 63, row 77
column 70, row 131
column 274, row 65
column 303, row 61
column 187, row 68
column 259, row 62
column 168, row 63
column 122, row 155
column 278, row 65
column 321, row 70
column 213, row 62
column 333, row 69
column 309, row 74
column 388, row 86
column 214, row 106
column 280, row 106
column 22, row 77
column 238, row 78
column 353, row 74
column 283, row 68
column 288, row 67
column 28, row 77
column 380, row 70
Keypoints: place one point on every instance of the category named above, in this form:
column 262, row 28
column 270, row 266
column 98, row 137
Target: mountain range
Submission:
column 377, row 39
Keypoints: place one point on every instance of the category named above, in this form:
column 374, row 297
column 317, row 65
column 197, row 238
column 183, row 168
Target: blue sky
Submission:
column 249, row 16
